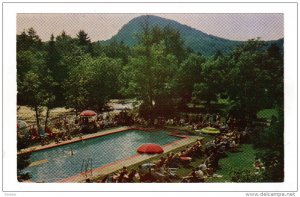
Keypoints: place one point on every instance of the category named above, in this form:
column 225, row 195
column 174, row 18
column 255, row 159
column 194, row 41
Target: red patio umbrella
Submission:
column 88, row 113
column 150, row 149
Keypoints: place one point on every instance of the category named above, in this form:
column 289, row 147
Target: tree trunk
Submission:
column 46, row 121
column 37, row 115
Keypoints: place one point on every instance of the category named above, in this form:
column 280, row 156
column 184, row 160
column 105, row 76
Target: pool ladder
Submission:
column 87, row 164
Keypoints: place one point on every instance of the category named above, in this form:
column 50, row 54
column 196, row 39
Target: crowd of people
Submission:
column 65, row 128
column 164, row 169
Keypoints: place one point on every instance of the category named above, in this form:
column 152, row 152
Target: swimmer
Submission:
column 72, row 153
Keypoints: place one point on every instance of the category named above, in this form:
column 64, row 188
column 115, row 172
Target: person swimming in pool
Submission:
column 72, row 153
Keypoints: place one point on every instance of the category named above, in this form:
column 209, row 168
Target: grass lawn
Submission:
column 242, row 160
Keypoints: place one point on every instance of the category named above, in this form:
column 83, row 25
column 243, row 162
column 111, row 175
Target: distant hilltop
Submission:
column 196, row 40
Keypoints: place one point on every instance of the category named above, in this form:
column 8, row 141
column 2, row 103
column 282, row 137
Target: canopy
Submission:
column 88, row 113
column 150, row 149
column 210, row 130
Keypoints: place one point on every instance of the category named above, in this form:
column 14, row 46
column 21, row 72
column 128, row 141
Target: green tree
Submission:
column 29, row 55
column 250, row 79
column 150, row 76
column 26, row 61
column 66, row 45
column 29, row 83
column 214, row 79
column 54, row 73
column 103, row 84
column 35, row 88
column 92, row 82
column 271, row 143
column 117, row 50
column 35, row 93
column 84, row 41
column 29, row 40
column 189, row 73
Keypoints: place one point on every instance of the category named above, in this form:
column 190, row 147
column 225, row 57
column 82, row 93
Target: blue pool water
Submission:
column 103, row 150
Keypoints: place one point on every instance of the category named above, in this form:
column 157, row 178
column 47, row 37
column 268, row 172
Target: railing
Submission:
column 87, row 165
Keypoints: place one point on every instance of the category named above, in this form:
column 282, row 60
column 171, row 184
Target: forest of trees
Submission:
column 160, row 71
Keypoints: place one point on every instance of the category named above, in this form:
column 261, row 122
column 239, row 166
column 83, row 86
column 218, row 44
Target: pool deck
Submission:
column 117, row 165
column 77, row 139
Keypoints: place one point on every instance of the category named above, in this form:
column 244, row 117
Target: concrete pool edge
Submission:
column 74, row 140
column 129, row 161
column 89, row 136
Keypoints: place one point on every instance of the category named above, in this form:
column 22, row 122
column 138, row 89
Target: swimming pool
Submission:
column 54, row 164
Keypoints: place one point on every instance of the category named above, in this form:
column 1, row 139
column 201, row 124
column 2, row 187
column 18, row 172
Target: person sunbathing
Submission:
column 258, row 164
column 206, row 170
column 140, row 173
column 174, row 161
column 168, row 159
column 191, row 178
column 115, row 177
column 160, row 174
column 160, row 162
column 118, row 177
column 129, row 178
column 148, row 177
column 233, row 146
column 105, row 179
column 57, row 140
column 200, row 175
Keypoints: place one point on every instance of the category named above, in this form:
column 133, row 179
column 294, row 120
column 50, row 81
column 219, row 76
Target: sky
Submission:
column 104, row 26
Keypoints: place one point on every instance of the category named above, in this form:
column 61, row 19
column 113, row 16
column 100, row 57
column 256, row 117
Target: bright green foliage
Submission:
column 35, row 78
column 250, row 77
column 150, row 76
column 117, row 50
column 92, row 82
column 214, row 80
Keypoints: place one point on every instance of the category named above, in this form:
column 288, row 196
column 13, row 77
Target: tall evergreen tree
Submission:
column 84, row 41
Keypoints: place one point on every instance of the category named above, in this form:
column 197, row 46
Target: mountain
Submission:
column 196, row 40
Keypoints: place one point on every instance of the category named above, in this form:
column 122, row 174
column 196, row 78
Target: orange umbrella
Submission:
column 150, row 149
